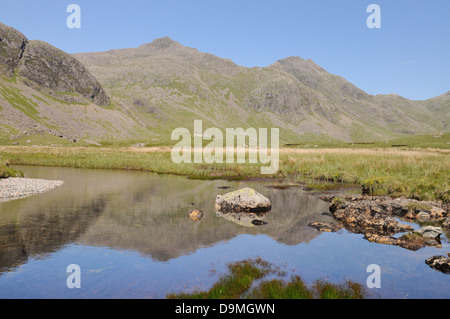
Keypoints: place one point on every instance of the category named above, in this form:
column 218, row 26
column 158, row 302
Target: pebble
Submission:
column 15, row 188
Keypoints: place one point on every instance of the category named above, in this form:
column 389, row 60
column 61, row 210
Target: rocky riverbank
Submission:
column 15, row 188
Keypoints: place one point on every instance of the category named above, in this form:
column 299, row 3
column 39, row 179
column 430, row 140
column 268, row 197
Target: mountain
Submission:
column 48, row 93
column 144, row 93
column 169, row 85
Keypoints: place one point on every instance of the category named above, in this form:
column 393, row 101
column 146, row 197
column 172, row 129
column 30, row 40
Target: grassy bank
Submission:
column 6, row 171
column 242, row 275
column 416, row 173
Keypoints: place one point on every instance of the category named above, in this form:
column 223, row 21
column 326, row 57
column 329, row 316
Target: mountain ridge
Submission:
column 161, row 85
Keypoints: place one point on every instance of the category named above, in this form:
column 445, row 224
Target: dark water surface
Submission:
column 131, row 236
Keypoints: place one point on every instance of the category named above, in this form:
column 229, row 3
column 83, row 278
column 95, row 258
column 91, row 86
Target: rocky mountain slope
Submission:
column 47, row 92
column 144, row 93
column 173, row 84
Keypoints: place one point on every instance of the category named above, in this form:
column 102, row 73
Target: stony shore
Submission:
column 15, row 188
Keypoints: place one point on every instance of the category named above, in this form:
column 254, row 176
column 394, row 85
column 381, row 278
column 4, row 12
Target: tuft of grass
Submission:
column 347, row 290
column 6, row 171
column 233, row 285
column 243, row 274
column 279, row 289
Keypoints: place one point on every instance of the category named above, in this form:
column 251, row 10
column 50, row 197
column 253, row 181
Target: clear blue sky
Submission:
column 409, row 55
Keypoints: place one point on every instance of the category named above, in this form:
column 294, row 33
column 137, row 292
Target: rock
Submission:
column 196, row 215
column 446, row 224
column 258, row 222
column 381, row 239
column 423, row 215
column 437, row 213
column 243, row 200
column 12, row 45
column 440, row 263
column 375, row 214
column 45, row 66
column 409, row 241
column 430, row 234
column 138, row 145
column 325, row 227
column 366, row 217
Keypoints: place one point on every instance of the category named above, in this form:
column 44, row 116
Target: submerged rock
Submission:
column 258, row 222
column 325, row 227
column 440, row 263
column 243, row 200
column 411, row 241
column 196, row 215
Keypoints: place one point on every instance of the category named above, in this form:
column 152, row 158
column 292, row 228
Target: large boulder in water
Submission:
column 243, row 200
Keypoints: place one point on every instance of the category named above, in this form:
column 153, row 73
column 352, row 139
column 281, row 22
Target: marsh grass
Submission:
column 239, row 283
column 418, row 173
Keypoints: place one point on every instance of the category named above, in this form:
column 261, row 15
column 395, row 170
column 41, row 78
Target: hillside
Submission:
column 48, row 96
column 141, row 94
column 170, row 85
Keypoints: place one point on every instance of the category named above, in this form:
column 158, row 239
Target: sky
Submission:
column 408, row 55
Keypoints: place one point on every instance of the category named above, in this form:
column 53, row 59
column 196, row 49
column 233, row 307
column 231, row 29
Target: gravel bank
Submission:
column 15, row 188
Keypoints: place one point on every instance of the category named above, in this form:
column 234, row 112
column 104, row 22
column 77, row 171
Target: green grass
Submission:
column 6, row 171
column 17, row 100
column 240, row 281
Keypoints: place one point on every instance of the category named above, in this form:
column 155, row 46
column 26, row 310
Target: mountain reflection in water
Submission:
column 142, row 212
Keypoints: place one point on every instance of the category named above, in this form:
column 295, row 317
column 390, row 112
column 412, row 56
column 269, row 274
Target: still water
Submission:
column 131, row 236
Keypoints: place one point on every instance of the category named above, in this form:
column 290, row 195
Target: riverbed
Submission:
column 131, row 236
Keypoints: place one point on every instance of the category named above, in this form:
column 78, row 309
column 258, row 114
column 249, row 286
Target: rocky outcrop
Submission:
column 440, row 263
column 376, row 218
column 366, row 216
column 431, row 235
column 12, row 46
column 409, row 241
column 46, row 68
column 243, row 200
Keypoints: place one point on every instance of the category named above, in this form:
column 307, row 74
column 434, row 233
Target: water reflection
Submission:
column 244, row 219
column 141, row 212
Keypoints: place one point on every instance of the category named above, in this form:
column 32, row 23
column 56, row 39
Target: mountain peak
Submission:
column 161, row 43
